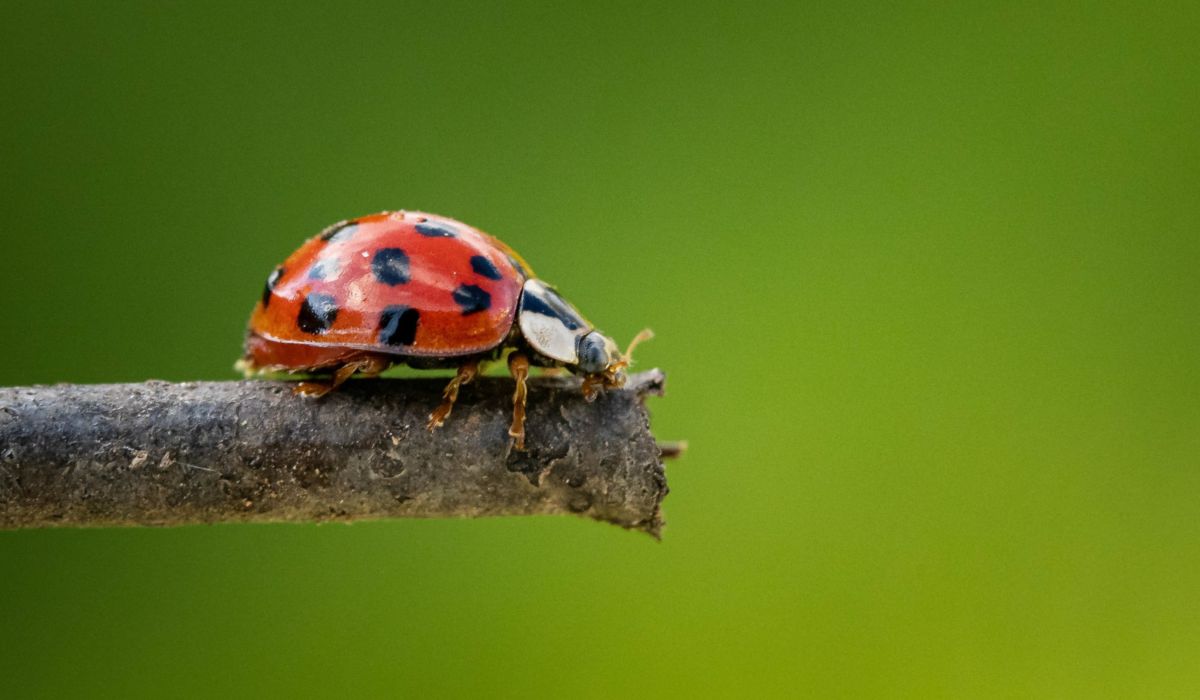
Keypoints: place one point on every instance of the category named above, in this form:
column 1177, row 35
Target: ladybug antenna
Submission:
column 627, row 356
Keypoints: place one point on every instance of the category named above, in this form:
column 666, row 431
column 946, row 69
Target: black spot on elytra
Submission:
column 553, row 306
column 398, row 325
column 432, row 230
column 472, row 299
column 323, row 269
column 317, row 313
column 272, row 280
column 390, row 266
column 483, row 266
column 339, row 232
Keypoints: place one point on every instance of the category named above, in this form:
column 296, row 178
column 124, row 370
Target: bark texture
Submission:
column 201, row 452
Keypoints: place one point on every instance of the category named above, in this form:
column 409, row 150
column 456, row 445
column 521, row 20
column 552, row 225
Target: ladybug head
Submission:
column 603, row 364
column 596, row 352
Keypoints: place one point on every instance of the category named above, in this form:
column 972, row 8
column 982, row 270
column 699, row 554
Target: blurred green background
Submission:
column 925, row 281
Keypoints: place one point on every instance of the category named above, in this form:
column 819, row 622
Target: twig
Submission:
column 202, row 452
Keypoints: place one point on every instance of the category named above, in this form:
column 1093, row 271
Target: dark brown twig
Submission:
column 202, row 452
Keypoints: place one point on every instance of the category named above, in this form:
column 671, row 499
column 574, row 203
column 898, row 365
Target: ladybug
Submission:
column 426, row 291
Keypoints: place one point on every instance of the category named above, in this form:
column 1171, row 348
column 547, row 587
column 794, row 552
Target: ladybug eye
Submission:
column 593, row 355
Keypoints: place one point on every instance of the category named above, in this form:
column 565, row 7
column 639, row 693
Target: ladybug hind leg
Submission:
column 368, row 366
column 466, row 374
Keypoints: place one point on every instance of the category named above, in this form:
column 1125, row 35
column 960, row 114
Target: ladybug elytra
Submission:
column 427, row 291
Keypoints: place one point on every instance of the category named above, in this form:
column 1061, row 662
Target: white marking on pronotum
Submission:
column 550, row 325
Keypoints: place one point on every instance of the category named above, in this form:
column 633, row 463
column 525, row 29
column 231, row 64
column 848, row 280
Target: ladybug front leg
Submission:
column 518, row 366
column 590, row 387
column 466, row 373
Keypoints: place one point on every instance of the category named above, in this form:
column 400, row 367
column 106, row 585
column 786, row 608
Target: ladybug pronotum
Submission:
column 426, row 291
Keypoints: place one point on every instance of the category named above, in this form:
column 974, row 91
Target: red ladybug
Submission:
column 427, row 291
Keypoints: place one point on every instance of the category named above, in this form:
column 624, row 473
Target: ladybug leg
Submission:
column 466, row 373
column 369, row 366
column 518, row 366
column 591, row 386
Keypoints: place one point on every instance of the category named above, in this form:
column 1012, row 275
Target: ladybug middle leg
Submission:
column 518, row 367
column 368, row 366
column 466, row 373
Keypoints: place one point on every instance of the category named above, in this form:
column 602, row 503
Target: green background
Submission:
column 925, row 280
